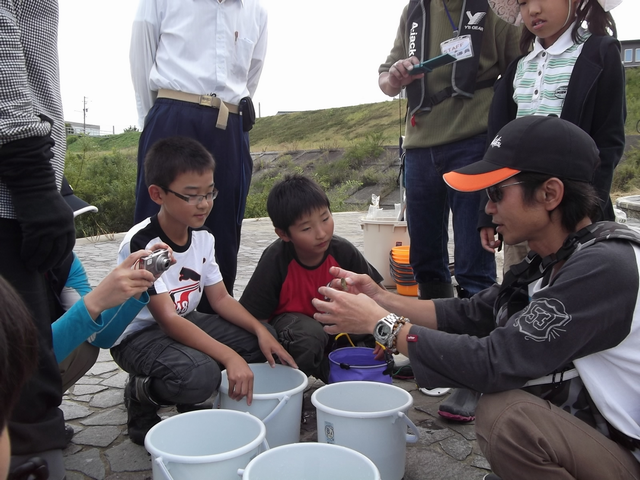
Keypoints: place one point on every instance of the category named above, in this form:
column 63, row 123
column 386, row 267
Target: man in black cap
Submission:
column 555, row 349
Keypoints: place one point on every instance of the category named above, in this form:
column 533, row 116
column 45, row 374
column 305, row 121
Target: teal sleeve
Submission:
column 77, row 278
column 73, row 328
column 116, row 319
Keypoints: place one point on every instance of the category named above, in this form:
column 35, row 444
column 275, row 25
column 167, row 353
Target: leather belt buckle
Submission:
column 206, row 100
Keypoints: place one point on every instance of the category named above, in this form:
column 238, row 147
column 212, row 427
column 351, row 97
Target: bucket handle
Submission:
column 280, row 406
column 410, row 438
column 264, row 448
column 163, row 468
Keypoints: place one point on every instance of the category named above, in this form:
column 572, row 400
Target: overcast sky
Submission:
column 320, row 55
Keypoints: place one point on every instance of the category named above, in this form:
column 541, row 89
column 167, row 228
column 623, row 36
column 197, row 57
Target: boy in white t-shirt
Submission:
column 173, row 353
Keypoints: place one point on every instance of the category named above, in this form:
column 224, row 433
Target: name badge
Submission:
column 459, row 47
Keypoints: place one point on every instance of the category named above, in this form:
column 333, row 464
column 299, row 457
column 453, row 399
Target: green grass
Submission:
column 633, row 100
column 329, row 129
column 350, row 141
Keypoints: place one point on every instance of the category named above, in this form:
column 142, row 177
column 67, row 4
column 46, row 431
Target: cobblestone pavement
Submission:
column 94, row 407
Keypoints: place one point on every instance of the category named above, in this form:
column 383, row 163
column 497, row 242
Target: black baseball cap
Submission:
column 537, row 144
column 78, row 205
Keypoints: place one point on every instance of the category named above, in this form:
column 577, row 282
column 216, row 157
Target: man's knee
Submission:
column 500, row 414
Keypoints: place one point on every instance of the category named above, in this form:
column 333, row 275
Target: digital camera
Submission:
column 157, row 263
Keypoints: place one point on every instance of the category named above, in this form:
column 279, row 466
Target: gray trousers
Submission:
column 308, row 344
column 306, row 341
column 181, row 374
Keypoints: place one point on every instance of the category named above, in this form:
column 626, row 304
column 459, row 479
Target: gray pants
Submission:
column 308, row 344
column 181, row 374
column 306, row 341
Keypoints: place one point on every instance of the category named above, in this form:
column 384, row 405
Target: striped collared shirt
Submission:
column 542, row 77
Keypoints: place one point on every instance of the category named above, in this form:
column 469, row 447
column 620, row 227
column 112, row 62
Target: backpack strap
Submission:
column 514, row 291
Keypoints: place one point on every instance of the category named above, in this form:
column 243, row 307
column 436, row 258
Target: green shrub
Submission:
column 626, row 176
column 368, row 149
column 256, row 206
column 337, row 196
column 332, row 174
column 108, row 182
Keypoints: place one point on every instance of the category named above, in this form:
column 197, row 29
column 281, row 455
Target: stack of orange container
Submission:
column 401, row 271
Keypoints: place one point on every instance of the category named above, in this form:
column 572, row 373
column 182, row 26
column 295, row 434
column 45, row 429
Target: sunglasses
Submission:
column 494, row 192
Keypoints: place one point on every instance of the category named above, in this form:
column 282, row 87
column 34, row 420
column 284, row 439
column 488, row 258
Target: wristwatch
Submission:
column 386, row 331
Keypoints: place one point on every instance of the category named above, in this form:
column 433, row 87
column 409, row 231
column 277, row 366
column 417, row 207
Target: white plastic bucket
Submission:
column 369, row 417
column 277, row 400
column 204, row 444
column 310, row 461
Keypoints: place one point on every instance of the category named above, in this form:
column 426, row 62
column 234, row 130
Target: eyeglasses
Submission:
column 494, row 192
column 194, row 199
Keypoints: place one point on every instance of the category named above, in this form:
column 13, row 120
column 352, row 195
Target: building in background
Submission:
column 78, row 128
column 630, row 53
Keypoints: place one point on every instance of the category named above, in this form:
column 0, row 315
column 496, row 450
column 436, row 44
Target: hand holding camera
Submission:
column 127, row 280
column 157, row 263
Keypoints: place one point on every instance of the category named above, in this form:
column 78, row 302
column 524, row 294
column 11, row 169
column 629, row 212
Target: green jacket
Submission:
column 456, row 119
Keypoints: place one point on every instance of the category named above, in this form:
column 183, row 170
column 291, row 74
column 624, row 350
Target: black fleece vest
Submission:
column 465, row 72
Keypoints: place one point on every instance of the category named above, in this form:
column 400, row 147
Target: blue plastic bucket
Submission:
column 358, row 364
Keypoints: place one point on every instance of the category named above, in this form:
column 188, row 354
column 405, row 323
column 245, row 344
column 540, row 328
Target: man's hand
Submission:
column 344, row 312
column 354, row 283
column 398, row 76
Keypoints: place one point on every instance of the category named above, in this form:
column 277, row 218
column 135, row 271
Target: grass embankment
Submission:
column 349, row 140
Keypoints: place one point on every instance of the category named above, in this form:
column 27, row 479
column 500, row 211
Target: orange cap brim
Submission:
column 479, row 181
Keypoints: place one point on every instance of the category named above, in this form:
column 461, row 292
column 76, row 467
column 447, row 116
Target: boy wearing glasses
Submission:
column 173, row 353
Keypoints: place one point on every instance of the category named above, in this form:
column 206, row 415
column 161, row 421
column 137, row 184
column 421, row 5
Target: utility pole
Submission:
column 84, row 115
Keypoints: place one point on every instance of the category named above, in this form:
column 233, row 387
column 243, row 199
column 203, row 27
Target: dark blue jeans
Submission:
column 429, row 200
column 230, row 149
column 181, row 374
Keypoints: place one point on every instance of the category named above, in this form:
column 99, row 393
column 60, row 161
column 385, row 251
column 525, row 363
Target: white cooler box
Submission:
column 380, row 236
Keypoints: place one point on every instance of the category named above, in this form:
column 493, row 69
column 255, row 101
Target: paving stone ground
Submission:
column 101, row 449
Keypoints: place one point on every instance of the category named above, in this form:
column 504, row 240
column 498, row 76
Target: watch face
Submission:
column 383, row 330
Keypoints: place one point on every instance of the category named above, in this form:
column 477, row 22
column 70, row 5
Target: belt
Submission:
column 553, row 378
column 204, row 100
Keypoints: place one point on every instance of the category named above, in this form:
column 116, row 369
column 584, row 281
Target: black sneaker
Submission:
column 142, row 411
column 491, row 476
column 460, row 405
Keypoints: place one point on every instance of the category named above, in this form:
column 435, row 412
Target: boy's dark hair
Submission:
column 293, row 197
column 599, row 23
column 169, row 157
column 18, row 348
column 579, row 200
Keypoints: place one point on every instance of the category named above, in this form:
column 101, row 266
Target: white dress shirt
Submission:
column 197, row 46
